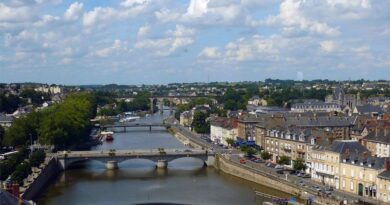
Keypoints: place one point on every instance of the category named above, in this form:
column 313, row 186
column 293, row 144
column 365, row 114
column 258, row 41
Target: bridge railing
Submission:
column 105, row 153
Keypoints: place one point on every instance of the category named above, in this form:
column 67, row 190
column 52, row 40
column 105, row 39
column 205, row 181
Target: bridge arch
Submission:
column 64, row 163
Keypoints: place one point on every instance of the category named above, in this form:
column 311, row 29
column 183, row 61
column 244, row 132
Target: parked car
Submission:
column 279, row 166
column 269, row 164
column 317, row 188
column 306, row 176
column 258, row 161
column 280, row 172
column 328, row 190
column 242, row 161
column 301, row 183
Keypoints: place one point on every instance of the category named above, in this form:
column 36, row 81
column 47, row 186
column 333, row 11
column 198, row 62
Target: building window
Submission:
column 352, row 173
column 352, row 186
column 343, row 183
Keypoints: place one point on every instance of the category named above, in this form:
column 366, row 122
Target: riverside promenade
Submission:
column 268, row 176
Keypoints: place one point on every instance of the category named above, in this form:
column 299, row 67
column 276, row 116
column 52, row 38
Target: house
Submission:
column 6, row 121
column 246, row 127
column 291, row 143
column 358, row 174
column 378, row 141
column 383, row 183
column 257, row 101
column 186, row 118
column 324, row 162
column 222, row 128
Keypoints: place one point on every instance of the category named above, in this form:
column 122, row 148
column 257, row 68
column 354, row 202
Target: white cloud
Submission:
column 131, row 3
column 197, row 8
column 210, row 52
column 328, row 46
column 117, row 45
column 98, row 14
column 350, row 3
column 46, row 20
column 292, row 20
column 143, row 31
column 180, row 37
column 181, row 31
column 13, row 14
column 74, row 11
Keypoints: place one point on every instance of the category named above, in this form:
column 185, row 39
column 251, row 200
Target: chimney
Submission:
column 387, row 165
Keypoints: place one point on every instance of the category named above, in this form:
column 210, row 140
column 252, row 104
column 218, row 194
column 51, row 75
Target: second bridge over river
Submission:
column 112, row 157
column 122, row 127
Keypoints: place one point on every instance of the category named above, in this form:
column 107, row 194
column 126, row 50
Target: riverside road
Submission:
column 235, row 156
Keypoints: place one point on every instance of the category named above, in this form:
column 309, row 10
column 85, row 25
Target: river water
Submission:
column 138, row 182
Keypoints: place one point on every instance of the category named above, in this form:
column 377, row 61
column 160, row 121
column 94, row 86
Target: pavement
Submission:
column 236, row 155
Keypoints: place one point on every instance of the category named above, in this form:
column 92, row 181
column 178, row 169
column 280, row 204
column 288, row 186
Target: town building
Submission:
column 315, row 106
column 383, row 183
column 339, row 97
column 378, row 141
column 324, row 162
column 6, row 121
column 358, row 174
column 222, row 128
column 186, row 118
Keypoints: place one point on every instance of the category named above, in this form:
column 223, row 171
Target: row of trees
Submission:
column 9, row 103
column 61, row 125
column 140, row 102
column 18, row 167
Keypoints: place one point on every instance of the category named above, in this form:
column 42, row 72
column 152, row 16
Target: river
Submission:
column 137, row 182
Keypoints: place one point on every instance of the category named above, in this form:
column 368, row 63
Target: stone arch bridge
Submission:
column 112, row 157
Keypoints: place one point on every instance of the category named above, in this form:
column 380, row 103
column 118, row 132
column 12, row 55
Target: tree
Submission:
column 199, row 122
column 37, row 157
column 2, row 131
column 299, row 164
column 21, row 172
column 266, row 155
column 251, row 151
column 230, row 141
column 284, row 160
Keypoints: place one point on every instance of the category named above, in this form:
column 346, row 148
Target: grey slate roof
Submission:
column 380, row 136
column 329, row 121
column 384, row 175
column 346, row 146
column 368, row 109
column 5, row 118
column 362, row 161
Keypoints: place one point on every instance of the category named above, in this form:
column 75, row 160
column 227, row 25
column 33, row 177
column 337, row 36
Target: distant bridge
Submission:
column 111, row 157
column 124, row 126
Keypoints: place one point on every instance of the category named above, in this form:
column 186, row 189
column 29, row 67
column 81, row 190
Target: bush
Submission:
column 299, row 164
column 284, row 160
column 37, row 157
column 266, row 155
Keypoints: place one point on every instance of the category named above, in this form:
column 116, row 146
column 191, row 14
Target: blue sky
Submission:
column 163, row 41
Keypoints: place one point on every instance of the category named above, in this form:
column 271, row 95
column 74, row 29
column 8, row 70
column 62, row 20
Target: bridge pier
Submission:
column 162, row 164
column 112, row 165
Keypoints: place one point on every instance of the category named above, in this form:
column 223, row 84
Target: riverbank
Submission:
column 37, row 182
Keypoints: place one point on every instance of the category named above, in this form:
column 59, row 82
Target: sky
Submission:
column 166, row 41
